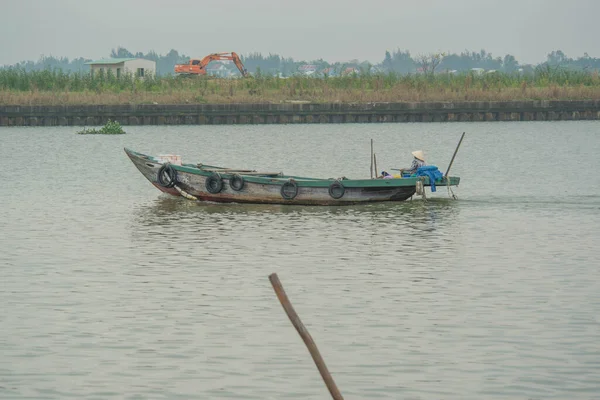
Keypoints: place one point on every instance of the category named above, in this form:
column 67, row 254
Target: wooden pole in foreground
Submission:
column 375, row 161
column 454, row 155
column 308, row 340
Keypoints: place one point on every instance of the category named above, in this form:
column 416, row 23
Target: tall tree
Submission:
column 429, row 62
column 557, row 58
column 387, row 62
column 121, row 52
column 510, row 64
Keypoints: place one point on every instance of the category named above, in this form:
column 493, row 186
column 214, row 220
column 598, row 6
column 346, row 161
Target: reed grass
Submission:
column 57, row 88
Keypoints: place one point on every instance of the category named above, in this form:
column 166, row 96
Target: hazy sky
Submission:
column 335, row 30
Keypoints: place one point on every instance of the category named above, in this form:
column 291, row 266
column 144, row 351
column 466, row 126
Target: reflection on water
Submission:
column 169, row 205
column 419, row 217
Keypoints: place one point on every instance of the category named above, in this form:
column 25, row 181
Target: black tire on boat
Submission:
column 337, row 190
column 236, row 182
column 214, row 183
column 289, row 190
column 167, row 176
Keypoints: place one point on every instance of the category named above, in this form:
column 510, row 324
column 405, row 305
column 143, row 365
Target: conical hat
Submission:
column 419, row 154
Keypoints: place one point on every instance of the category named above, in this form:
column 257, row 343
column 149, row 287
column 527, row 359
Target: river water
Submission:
column 111, row 289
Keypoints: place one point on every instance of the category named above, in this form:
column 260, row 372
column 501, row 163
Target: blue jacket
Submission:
column 432, row 172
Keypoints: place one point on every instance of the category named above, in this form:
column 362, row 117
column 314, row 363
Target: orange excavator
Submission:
column 197, row 66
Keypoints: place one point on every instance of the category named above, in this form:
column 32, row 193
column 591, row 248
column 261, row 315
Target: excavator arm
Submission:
column 198, row 67
column 238, row 63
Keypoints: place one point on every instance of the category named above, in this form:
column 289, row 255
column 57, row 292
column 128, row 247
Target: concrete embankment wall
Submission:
column 289, row 113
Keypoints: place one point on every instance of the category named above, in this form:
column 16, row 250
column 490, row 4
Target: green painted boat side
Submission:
column 312, row 182
column 321, row 182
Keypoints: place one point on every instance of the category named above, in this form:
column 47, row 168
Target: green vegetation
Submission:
column 110, row 128
column 397, row 61
column 57, row 87
column 57, row 80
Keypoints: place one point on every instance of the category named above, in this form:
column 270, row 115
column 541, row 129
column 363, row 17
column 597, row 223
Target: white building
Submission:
column 307, row 69
column 138, row 67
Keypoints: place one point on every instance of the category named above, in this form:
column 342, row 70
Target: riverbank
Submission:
column 299, row 112
column 55, row 88
column 50, row 98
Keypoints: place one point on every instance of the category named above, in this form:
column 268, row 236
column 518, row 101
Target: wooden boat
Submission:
column 219, row 184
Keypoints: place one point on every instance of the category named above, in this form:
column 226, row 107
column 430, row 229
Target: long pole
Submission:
column 371, row 158
column 454, row 155
column 308, row 340
column 375, row 161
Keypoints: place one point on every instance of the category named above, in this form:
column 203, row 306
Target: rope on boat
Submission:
column 167, row 171
column 450, row 190
column 184, row 193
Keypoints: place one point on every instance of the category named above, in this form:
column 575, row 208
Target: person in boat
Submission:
column 418, row 161
column 385, row 175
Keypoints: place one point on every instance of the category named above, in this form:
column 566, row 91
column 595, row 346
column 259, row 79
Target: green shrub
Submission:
column 110, row 128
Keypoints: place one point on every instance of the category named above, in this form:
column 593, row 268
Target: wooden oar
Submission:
column 227, row 170
column 259, row 173
column 371, row 158
column 308, row 340
column 454, row 155
column 243, row 172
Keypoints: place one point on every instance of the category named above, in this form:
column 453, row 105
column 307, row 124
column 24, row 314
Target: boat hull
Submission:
column 191, row 182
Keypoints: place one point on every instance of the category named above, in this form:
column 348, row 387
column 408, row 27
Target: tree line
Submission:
column 398, row 61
